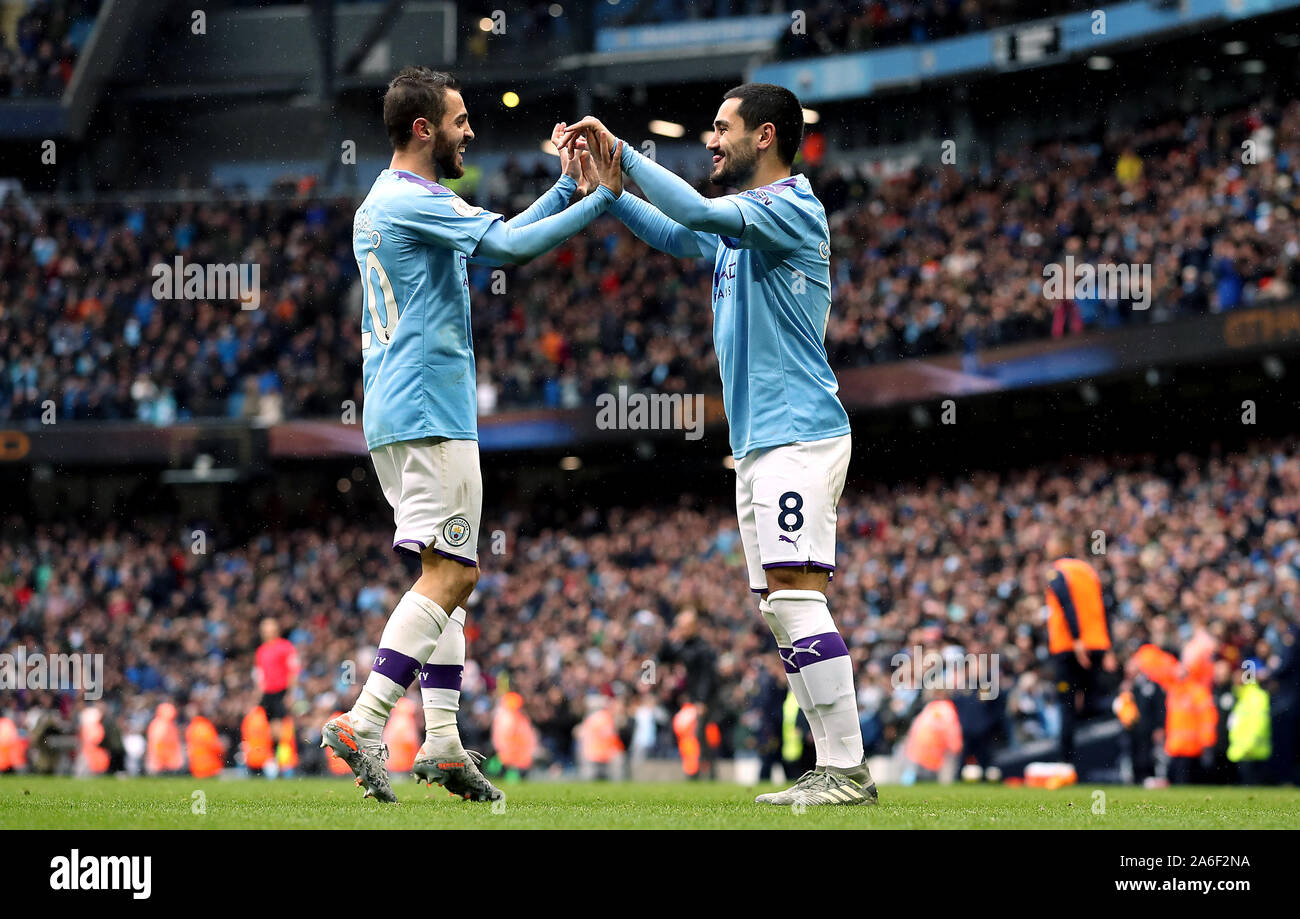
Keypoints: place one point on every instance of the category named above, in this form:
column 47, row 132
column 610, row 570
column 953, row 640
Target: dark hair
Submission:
column 416, row 92
column 764, row 102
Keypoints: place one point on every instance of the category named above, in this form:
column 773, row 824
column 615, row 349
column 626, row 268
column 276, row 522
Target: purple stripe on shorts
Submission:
column 819, row 565
column 396, row 666
column 816, row 648
column 457, row 558
column 441, row 676
column 787, row 660
column 404, row 545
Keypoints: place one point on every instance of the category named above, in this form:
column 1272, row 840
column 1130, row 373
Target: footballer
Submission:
column 412, row 239
column 770, row 246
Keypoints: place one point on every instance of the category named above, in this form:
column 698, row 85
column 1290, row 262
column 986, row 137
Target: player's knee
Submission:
column 465, row 582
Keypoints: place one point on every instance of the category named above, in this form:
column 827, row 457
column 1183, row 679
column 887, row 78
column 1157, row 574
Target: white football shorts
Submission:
column 785, row 503
column 436, row 490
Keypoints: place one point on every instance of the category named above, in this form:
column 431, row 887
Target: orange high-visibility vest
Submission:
column 1198, row 657
column 402, row 736
column 90, row 735
column 935, row 731
column 713, row 734
column 688, row 744
column 9, row 758
column 1159, row 666
column 598, row 738
column 204, row 748
column 163, row 751
column 333, row 761
column 1083, row 589
column 1191, row 720
column 255, row 730
column 513, row 736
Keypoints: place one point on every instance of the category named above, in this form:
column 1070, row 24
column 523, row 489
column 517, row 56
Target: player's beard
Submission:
column 445, row 156
column 737, row 166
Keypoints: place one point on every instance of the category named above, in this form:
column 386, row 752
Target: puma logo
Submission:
column 811, row 649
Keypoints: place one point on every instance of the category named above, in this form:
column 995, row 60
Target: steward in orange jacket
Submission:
column 163, row 751
column 1077, row 637
column 513, row 736
column 1191, row 718
column 1076, row 618
column 203, row 747
column 90, row 741
column 11, row 752
column 685, row 725
column 258, row 744
column 599, row 746
column 934, row 734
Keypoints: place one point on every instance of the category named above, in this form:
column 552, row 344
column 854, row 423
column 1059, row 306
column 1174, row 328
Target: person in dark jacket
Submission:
column 687, row 647
column 1284, row 675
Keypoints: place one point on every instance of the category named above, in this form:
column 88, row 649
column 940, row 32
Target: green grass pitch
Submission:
column 36, row 802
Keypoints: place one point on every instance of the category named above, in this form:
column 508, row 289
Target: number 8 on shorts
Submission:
column 785, row 503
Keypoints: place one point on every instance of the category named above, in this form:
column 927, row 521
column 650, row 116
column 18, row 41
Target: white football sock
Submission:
column 409, row 638
column 440, row 681
column 823, row 661
column 795, row 679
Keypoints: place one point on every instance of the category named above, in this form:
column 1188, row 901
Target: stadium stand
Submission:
column 930, row 262
column 1202, row 548
column 836, row 27
column 39, row 44
column 832, row 27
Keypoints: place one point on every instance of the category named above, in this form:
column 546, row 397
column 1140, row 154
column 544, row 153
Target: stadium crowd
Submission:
column 39, row 44
column 1198, row 551
column 864, row 25
column 831, row 27
column 933, row 261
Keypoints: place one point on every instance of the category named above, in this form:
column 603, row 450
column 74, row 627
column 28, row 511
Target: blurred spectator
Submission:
column 39, row 58
column 925, row 262
column 513, row 736
column 1203, row 555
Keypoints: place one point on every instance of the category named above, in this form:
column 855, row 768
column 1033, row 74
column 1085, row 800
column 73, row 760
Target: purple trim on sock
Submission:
column 457, row 558
column 396, row 666
column 817, row 648
column 787, row 659
column 441, row 676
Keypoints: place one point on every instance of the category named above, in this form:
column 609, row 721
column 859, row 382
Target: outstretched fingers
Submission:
column 570, row 132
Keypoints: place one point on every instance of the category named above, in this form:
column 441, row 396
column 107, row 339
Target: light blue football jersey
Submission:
column 412, row 238
column 771, row 302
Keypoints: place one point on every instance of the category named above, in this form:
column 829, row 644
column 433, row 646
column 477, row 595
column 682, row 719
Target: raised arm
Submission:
column 552, row 201
column 667, row 191
column 577, row 174
column 522, row 244
column 651, row 226
column 516, row 245
column 678, row 201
